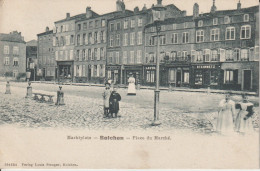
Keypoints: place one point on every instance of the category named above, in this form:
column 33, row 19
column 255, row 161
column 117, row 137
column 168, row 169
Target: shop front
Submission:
column 206, row 75
column 179, row 76
column 114, row 73
column 240, row 75
column 149, row 75
column 65, row 71
column 136, row 71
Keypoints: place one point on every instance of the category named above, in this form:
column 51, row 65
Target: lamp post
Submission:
column 158, row 16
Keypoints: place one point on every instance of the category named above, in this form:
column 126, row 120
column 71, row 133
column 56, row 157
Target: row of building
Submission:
column 219, row 49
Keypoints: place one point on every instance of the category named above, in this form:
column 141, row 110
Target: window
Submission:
column 200, row 36
column 140, row 22
column 15, row 50
column 244, row 54
column 162, row 55
column 151, row 56
column 236, row 54
column 198, row 77
column 79, row 26
column 67, row 40
column 153, row 29
column 117, row 58
column 118, row 26
column 103, row 23
column 229, row 55
column 95, row 37
column 214, row 56
column 125, row 57
column 95, row 53
column 6, row 50
column 256, row 52
column 125, row 24
column 111, row 41
column 71, row 54
column 246, row 17
column 132, row 23
column 89, row 54
column 162, row 40
column 125, row 39
column 132, row 38
column 96, row 23
column 206, row 55
column 193, row 56
column 184, row 54
column 229, row 76
column 226, row 19
column 85, row 26
column 200, row 24
column 61, row 28
column 118, row 40
column 132, row 57
column 245, row 32
column 199, row 56
column 139, row 38
column 151, row 40
column 91, row 24
column 112, row 26
column 139, row 56
column 174, row 26
column 78, row 39
column 215, row 21
column 71, row 39
column 213, row 77
column 102, row 54
column 83, row 55
column 7, row 61
column 185, row 37
column 186, row 77
column 230, row 33
column 77, row 55
column 15, row 73
column 214, row 34
column 175, row 38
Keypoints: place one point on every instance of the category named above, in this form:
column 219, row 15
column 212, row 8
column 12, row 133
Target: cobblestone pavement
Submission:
column 192, row 112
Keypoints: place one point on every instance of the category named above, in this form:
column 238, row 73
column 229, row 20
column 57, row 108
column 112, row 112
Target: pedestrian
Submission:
column 106, row 95
column 243, row 122
column 131, row 87
column 226, row 114
column 114, row 102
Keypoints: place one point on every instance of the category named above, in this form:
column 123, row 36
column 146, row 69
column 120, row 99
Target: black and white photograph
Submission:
column 129, row 84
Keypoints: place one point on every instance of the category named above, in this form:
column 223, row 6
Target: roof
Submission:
column 230, row 12
column 12, row 37
column 45, row 33
column 31, row 43
column 78, row 17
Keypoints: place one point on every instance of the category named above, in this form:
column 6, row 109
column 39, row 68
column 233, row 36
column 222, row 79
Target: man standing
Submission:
column 106, row 95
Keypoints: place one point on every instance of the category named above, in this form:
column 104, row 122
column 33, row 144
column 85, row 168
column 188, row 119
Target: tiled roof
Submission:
column 45, row 33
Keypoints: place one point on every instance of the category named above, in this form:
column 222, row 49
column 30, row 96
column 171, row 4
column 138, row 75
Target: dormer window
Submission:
column 200, row 24
column 215, row 21
column 246, row 17
column 226, row 19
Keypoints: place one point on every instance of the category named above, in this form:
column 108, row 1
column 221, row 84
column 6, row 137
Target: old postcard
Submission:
column 129, row 84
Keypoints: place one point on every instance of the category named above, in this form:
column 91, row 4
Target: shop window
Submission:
column 198, row 77
column 172, row 74
column 150, row 76
column 229, row 76
column 213, row 77
column 186, row 78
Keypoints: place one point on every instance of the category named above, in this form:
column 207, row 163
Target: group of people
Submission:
column 111, row 101
column 229, row 121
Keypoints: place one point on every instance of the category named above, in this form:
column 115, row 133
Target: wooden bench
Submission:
column 42, row 97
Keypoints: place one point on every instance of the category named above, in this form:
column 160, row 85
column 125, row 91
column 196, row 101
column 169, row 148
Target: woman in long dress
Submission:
column 226, row 114
column 243, row 123
column 131, row 87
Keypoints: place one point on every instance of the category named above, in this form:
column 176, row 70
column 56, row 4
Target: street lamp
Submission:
column 158, row 16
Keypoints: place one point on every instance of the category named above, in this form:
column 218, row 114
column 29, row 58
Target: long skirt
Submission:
column 225, row 122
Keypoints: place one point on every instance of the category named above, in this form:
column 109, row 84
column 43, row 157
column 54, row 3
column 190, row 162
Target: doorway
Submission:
column 178, row 81
column 247, row 79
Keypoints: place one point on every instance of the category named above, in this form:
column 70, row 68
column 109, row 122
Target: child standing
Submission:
column 106, row 95
column 114, row 102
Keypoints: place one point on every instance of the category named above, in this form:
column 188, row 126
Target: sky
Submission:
column 32, row 16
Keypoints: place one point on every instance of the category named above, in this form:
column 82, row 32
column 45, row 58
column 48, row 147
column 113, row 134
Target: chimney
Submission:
column 195, row 10
column 88, row 12
column 67, row 16
column 159, row 2
column 136, row 9
column 120, row 5
column 144, row 8
column 239, row 5
column 47, row 29
column 184, row 13
column 213, row 8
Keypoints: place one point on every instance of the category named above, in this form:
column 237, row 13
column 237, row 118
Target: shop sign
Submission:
column 150, row 68
column 206, row 66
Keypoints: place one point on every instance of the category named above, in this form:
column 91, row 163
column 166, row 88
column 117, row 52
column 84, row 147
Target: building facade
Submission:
column 12, row 54
column 31, row 58
column 46, row 69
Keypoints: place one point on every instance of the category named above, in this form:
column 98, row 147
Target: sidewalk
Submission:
column 184, row 89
